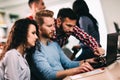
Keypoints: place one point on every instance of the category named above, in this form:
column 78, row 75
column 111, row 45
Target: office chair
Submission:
column 116, row 27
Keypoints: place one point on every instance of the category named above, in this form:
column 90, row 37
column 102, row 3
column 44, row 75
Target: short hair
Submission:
column 32, row 1
column 66, row 12
column 44, row 13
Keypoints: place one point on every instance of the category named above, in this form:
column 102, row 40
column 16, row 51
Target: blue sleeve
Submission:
column 84, row 24
column 66, row 62
column 88, row 26
column 46, row 72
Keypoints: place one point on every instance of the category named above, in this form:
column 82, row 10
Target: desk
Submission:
column 112, row 72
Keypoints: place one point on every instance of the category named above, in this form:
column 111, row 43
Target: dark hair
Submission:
column 66, row 12
column 18, row 34
column 32, row 1
column 81, row 9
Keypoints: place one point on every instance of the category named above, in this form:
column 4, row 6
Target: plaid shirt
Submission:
column 88, row 40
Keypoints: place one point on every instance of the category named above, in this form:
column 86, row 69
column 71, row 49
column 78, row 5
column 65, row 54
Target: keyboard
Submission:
column 96, row 71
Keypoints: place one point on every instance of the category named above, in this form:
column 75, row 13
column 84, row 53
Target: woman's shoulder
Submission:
column 12, row 53
column 11, row 56
column 85, row 18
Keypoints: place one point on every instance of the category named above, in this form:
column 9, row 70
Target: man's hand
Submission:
column 99, row 51
column 85, row 66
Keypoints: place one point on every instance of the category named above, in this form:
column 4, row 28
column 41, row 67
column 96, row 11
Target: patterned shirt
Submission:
column 88, row 40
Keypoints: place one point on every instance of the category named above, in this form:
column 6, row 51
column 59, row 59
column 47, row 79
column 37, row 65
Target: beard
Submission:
column 48, row 35
column 63, row 32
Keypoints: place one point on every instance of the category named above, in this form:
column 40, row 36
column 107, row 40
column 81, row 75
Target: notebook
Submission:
column 112, row 45
column 111, row 52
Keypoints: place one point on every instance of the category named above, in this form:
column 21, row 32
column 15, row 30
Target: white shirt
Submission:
column 14, row 66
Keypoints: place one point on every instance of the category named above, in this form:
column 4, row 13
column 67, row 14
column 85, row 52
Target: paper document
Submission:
column 96, row 71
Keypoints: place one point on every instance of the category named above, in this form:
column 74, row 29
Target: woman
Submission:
column 89, row 24
column 22, row 37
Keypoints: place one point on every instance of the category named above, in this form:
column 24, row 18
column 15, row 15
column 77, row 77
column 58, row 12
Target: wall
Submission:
column 111, row 9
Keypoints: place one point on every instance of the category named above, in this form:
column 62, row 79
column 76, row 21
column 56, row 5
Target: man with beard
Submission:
column 66, row 26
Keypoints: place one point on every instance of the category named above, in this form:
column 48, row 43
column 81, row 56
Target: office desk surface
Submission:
column 112, row 72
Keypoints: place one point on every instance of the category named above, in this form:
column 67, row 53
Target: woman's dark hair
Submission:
column 18, row 34
column 81, row 9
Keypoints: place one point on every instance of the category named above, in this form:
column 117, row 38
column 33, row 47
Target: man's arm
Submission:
column 84, row 67
column 43, row 67
column 88, row 40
